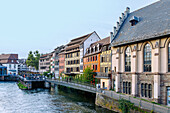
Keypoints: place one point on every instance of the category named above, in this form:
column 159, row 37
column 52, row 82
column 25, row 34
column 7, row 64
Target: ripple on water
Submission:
column 14, row 100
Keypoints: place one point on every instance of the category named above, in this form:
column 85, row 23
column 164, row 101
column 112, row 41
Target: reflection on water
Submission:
column 14, row 100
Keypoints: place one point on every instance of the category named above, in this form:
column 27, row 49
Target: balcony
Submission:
column 103, row 75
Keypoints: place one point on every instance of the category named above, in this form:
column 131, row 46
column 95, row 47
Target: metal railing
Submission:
column 75, row 84
column 138, row 102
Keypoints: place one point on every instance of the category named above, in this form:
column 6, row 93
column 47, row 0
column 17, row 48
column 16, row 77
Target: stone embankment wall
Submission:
column 112, row 104
column 107, row 102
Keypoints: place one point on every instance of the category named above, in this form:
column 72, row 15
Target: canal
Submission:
column 14, row 100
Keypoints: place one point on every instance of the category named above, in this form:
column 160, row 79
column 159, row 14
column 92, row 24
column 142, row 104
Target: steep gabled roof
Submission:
column 74, row 43
column 103, row 41
column 81, row 39
column 154, row 21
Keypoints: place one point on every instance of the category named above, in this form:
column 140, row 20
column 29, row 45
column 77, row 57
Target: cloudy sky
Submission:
column 45, row 24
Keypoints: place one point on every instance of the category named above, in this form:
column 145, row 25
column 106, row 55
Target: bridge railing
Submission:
column 84, row 85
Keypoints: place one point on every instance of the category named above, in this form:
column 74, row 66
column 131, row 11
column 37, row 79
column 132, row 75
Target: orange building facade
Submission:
column 92, row 55
column 93, row 61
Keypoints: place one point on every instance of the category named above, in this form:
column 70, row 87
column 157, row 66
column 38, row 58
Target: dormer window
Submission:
column 134, row 20
column 86, row 50
column 91, row 50
column 94, row 49
column 97, row 47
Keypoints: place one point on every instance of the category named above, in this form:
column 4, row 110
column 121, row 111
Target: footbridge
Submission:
column 73, row 84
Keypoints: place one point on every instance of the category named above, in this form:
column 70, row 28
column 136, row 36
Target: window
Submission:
column 14, row 66
column 9, row 65
column 81, row 67
column 142, row 89
column 127, row 87
column 169, row 57
column 106, row 69
column 93, row 58
column 127, row 60
column 77, row 54
column 102, row 59
column 81, row 59
column 96, row 67
column 146, row 90
column 147, row 58
column 96, row 57
column 150, row 91
column 77, row 69
column 124, row 87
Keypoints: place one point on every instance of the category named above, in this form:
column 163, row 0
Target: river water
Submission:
column 14, row 100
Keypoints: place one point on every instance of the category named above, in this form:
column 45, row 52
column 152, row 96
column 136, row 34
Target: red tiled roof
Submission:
column 7, row 58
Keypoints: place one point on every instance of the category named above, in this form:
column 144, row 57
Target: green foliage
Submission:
column 125, row 105
column 45, row 74
column 21, row 86
column 33, row 59
column 88, row 74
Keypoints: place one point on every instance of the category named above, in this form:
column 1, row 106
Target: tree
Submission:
column 30, row 60
column 88, row 74
column 33, row 59
column 37, row 58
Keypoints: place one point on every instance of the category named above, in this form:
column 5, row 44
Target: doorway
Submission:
column 103, row 85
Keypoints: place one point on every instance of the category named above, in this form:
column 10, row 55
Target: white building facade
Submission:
column 141, row 53
column 85, row 44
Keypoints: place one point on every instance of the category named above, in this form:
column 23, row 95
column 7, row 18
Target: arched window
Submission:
column 147, row 58
column 169, row 57
column 128, row 59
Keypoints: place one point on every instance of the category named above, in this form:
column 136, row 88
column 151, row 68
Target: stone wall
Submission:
column 107, row 102
column 112, row 104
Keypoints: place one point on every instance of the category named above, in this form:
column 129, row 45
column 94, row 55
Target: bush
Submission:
column 21, row 86
column 125, row 105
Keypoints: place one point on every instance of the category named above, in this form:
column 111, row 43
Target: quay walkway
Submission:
column 111, row 94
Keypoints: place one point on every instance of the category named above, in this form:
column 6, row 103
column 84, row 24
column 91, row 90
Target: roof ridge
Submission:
column 81, row 36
